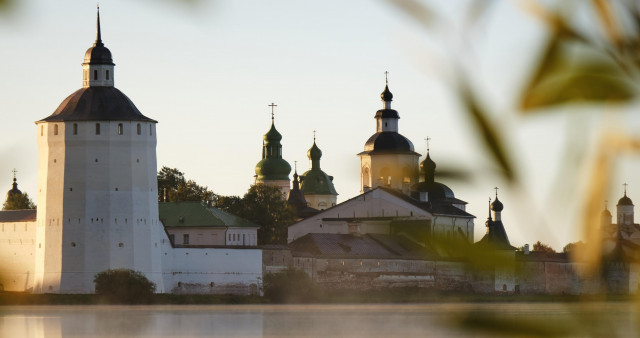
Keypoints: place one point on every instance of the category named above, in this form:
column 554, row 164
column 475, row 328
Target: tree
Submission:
column 179, row 189
column 262, row 204
column 124, row 286
column 18, row 201
column 541, row 247
column 290, row 286
column 572, row 246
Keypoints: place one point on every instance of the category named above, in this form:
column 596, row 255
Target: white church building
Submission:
column 98, row 207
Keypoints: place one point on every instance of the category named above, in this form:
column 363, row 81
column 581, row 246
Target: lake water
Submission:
column 611, row 319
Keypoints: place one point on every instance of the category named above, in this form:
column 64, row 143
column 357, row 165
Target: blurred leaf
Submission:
column 492, row 140
column 554, row 20
column 518, row 326
column 453, row 173
column 417, row 11
column 604, row 10
column 564, row 78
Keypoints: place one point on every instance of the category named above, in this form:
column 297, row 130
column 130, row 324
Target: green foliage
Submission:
column 290, row 286
column 541, row 247
column 124, row 286
column 179, row 189
column 18, row 202
column 262, row 204
column 572, row 246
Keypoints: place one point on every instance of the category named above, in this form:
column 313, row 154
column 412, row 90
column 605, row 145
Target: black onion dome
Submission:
column 428, row 164
column 435, row 190
column 97, row 104
column 625, row 200
column 386, row 94
column 98, row 55
column 387, row 113
column 388, row 142
column 496, row 205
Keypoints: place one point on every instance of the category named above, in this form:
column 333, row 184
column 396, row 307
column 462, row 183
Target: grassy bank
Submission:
column 387, row 296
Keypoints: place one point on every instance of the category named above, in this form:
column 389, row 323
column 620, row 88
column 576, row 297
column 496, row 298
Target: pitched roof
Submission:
column 434, row 208
column 198, row 214
column 25, row 215
column 352, row 246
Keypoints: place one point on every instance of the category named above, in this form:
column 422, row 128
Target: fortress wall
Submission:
column 213, row 271
column 365, row 274
column 17, row 260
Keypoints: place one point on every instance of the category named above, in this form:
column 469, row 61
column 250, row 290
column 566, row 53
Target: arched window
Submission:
column 55, row 129
column 120, row 129
column 139, row 129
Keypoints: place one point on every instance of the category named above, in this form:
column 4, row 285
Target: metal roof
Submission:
column 97, row 104
column 25, row 215
column 198, row 214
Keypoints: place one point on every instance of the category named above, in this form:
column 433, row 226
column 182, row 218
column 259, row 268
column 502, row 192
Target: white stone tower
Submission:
column 388, row 159
column 97, row 198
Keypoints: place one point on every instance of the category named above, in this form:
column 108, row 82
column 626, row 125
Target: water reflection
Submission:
column 612, row 319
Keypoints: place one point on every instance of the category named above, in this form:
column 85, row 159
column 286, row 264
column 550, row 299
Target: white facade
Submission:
column 97, row 202
column 17, row 254
column 370, row 212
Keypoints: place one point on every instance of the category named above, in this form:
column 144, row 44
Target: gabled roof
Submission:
column 442, row 209
column 198, row 214
column 25, row 215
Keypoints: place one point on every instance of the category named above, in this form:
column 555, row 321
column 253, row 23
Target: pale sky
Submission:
column 206, row 71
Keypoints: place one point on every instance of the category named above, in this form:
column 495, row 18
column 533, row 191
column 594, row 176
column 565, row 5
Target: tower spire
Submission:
column 98, row 32
column 490, row 208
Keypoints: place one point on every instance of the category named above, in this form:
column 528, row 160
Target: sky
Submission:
column 207, row 71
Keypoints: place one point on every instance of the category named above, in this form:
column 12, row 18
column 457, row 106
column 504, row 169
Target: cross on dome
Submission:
column 428, row 139
column 386, row 77
column 14, row 171
column 625, row 188
column 496, row 189
column 272, row 105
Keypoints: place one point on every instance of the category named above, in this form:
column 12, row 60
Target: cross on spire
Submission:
column 295, row 166
column 605, row 204
column 625, row 188
column 98, row 34
column 14, row 171
column 428, row 139
column 272, row 105
column 496, row 189
column 489, row 207
column 314, row 136
column 386, row 77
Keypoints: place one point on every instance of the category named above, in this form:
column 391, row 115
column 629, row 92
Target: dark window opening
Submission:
column 55, row 129
column 107, row 77
column 97, row 128
column 150, row 130
column 120, row 128
column 139, row 129
column 75, row 129
column 185, row 239
column 95, row 74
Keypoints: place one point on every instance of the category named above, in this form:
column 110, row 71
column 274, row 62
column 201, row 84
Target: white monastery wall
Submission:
column 212, row 270
column 17, row 255
column 374, row 204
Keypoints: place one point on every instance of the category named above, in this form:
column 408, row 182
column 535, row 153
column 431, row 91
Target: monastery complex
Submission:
column 98, row 209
